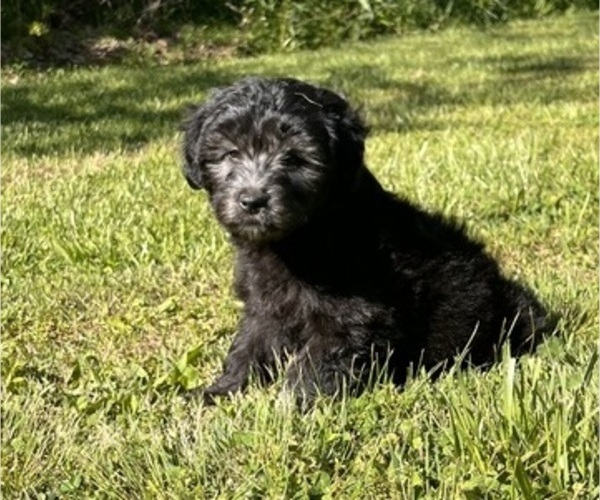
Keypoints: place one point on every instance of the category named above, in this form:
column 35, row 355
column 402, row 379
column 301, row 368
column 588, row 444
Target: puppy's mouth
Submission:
column 257, row 228
column 260, row 221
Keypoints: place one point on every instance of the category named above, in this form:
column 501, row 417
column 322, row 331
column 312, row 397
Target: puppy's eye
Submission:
column 294, row 160
column 232, row 154
column 284, row 127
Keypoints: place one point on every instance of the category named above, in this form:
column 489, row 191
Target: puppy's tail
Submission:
column 532, row 322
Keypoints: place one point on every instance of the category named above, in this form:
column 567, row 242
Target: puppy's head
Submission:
column 271, row 153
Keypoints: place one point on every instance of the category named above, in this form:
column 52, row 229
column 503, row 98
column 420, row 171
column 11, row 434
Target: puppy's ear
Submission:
column 192, row 129
column 351, row 133
column 348, row 133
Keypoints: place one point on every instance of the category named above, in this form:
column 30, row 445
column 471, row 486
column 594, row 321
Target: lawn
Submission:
column 116, row 291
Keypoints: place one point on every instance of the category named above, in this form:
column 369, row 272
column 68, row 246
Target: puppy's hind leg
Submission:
column 323, row 366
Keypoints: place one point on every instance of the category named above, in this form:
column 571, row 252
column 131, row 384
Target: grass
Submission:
column 116, row 279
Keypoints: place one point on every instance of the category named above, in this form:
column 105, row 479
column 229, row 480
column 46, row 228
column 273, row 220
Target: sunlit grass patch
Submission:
column 116, row 280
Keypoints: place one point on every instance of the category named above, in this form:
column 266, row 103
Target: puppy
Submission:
column 337, row 275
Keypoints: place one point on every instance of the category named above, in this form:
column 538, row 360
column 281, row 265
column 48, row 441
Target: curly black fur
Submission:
column 337, row 274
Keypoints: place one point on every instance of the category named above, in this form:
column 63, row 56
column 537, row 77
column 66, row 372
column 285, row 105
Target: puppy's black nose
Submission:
column 253, row 200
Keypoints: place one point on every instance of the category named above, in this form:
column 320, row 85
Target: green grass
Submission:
column 116, row 279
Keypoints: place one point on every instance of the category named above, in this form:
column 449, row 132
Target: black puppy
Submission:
column 336, row 274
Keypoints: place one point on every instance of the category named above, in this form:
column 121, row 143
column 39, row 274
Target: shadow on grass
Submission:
column 140, row 105
column 127, row 110
column 403, row 105
column 541, row 67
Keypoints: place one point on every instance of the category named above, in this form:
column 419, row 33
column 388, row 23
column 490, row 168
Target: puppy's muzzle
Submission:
column 253, row 201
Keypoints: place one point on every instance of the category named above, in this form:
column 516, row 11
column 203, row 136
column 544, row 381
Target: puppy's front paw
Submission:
column 212, row 393
column 224, row 386
column 208, row 395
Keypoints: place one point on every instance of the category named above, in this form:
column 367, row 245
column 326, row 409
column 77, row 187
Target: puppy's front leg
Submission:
column 236, row 369
column 247, row 355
